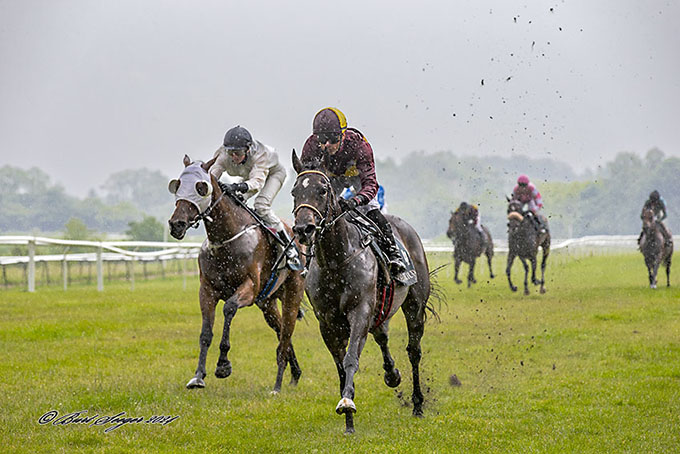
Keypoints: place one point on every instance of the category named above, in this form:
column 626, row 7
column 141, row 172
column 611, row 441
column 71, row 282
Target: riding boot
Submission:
column 387, row 242
column 292, row 258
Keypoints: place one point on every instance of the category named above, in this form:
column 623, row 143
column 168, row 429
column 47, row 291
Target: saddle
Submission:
column 369, row 237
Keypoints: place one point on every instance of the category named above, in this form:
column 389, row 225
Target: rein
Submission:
column 205, row 214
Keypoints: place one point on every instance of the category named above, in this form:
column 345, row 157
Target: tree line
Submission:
column 422, row 188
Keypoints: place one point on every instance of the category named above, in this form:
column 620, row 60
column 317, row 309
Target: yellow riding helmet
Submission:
column 329, row 120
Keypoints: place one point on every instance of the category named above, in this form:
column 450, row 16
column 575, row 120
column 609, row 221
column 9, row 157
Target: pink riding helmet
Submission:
column 523, row 179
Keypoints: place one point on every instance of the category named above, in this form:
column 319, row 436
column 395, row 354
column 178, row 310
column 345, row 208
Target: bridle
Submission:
column 323, row 224
column 205, row 214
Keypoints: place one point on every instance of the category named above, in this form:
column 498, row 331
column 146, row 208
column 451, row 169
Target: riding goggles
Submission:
column 237, row 151
column 328, row 137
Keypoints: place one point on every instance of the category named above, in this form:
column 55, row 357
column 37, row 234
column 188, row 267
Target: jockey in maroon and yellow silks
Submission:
column 352, row 165
column 348, row 159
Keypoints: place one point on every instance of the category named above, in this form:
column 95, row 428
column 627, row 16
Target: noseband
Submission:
column 322, row 216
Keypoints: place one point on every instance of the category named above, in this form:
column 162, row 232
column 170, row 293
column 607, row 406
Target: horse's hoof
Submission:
column 542, row 290
column 418, row 412
column 196, row 383
column 653, row 286
column 274, row 392
column 526, row 291
column 345, row 406
column 492, row 276
column 458, row 281
column 394, row 379
column 349, row 430
column 513, row 288
column 223, row 371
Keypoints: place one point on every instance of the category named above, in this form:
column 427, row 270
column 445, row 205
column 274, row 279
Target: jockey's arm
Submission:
column 258, row 175
column 218, row 166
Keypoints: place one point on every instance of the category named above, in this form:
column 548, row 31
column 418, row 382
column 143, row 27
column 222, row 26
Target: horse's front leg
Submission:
column 335, row 337
column 652, row 274
column 534, row 265
column 359, row 319
column 544, row 262
column 392, row 376
column 489, row 255
column 243, row 296
column 508, row 268
column 456, row 267
column 526, row 275
column 471, row 273
column 208, row 301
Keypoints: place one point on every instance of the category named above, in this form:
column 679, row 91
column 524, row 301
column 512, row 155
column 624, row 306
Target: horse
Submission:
column 468, row 244
column 523, row 242
column 653, row 247
column 237, row 264
column 342, row 285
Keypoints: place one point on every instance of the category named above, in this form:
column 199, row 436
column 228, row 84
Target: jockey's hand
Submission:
column 347, row 205
column 238, row 187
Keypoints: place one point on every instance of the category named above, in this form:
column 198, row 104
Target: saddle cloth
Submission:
column 407, row 277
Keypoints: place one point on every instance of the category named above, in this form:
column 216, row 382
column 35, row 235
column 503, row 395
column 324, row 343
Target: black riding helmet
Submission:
column 238, row 138
column 654, row 195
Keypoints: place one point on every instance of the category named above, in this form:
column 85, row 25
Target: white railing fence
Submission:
column 118, row 251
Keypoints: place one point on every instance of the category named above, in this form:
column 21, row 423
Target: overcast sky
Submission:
column 90, row 87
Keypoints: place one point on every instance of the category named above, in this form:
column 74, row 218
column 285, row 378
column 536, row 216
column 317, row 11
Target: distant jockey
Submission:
column 471, row 212
column 526, row 192
column 657, row 204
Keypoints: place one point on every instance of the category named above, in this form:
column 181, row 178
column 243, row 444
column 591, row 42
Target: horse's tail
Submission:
column 436, row 293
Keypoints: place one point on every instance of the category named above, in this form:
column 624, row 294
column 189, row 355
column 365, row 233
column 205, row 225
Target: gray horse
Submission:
column 342, row 286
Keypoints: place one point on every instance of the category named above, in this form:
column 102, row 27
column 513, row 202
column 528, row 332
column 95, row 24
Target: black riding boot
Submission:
column 387, row 242
column 292, row 258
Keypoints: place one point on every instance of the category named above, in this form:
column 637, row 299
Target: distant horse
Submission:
column 468, row 244
column 655, row 250
column 235, row 263
column 523, row 241
column 343, row 286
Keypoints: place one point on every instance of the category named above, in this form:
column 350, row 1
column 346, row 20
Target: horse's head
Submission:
column 648, row 219
column 515, row 214
column 313, row 198
column 192, row 190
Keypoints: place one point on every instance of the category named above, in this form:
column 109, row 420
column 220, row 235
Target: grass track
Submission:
column 591, row 366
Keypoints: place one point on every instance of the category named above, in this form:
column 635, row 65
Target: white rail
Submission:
column 168, row 251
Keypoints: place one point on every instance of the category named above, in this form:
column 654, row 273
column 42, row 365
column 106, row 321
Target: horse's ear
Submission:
column 173, row 186
column 207, row 165
column 507, row 197
column 297, row 165
column 186, row 160
column 203, row 188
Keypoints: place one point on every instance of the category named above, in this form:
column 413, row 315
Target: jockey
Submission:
column 657, row 204
column 350, row 163
column 258, row 165
column 471, row 212
column 526, row 192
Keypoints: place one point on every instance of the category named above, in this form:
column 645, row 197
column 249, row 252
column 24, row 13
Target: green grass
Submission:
column 591, row 366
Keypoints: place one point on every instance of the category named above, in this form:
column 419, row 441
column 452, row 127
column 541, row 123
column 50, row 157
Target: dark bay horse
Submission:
column 235, row 263
column 468, row 244
column 523, row 242
column 342, row 286
column 653, row 247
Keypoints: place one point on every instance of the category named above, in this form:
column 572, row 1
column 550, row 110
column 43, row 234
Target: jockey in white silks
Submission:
column 263, row 175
